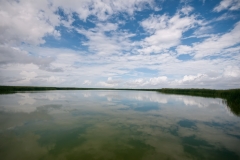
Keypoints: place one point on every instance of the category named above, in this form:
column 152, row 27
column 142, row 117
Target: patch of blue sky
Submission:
column 84, row 24
column 69, row 39
column 144, row 14
column 224, row 26
column 62, row 14
column 184, row 57
column 189, row 40
column 146, row 70
column 130, row 75
column 188, row 37
column 32, row 54
column 140, row 73
column 132, row 25
column 204, row 8
column 109, row 33
column 78, row 64
column 169, row 7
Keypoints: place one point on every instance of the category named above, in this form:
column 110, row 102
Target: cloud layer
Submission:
column 122, row 44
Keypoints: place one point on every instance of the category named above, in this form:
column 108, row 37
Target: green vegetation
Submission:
column 231, row 97
column 13, row 89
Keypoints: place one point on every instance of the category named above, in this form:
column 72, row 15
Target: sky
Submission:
column 120, row 43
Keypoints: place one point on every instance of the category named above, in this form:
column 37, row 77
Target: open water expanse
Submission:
column 113, row 125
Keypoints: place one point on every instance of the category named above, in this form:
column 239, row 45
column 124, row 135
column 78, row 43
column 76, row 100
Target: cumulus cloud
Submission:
column 27, row 22
column 47, row 80
column 165, row 31
column 184, row 49
column 147, row 82
column 11, row 55
column 157, row 80
column 54, row 80
column 232, row 71
column 28, row 75
column 137, row 82
column 109, row 83
column 229, row 78
column 190, row 78
column 105, row 40
column 186, row 10
column 87, row 82
column 16, row 55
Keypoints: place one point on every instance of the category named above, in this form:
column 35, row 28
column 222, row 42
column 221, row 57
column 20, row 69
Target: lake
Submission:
column 115, row 124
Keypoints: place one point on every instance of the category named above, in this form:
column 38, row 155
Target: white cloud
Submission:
column 87, row 82
column 157, row 80
column 145, row 82
column 229, row 78
column 24, row 21
column 115, row 52
column 135, row 83
column 186, row 10
column 165, row 31
column 105, row 40
column 232, row 71
column 184, row 49
column 11, row 55
column 189, row 78
column 29, row 22
column 103, row 27
column 211, row 72
column 214, row 45
column 103, row 9
column 225, row 16
column 109, row 83
column 105, row 84
column 48, row 80
column 227, row 4
column 203, row 30
column 54, row 80
column 28, row 75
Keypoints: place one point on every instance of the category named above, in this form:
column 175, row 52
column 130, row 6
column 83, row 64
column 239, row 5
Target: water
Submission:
column 116, row 125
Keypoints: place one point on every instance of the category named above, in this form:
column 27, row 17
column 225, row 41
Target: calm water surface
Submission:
column 116, row 125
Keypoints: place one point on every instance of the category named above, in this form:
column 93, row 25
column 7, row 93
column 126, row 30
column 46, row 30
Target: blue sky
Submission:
column 121, row 44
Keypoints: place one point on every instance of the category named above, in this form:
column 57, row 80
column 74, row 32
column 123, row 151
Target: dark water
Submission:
column 116, row 125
